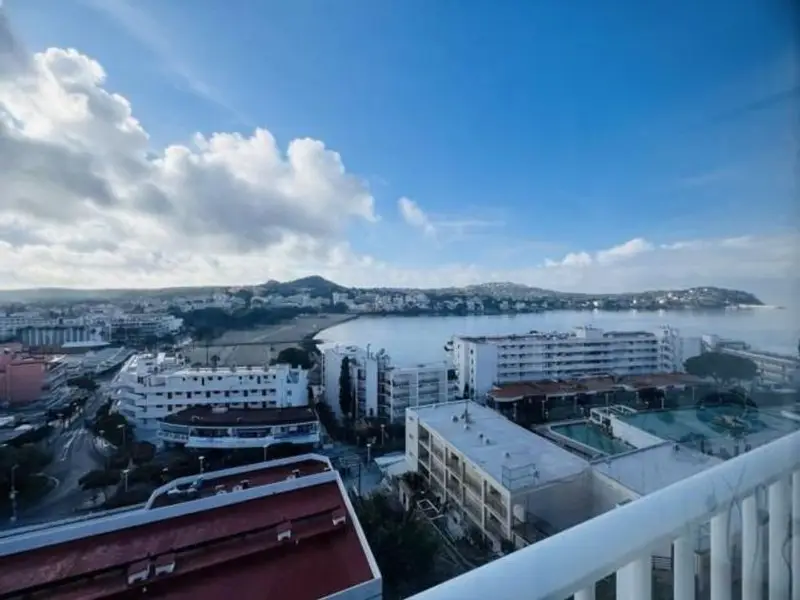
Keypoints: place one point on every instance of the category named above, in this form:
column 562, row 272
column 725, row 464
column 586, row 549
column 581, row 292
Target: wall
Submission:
column 21, row 379
column 633, row 435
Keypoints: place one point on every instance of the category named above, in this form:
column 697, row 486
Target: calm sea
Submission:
column 411, row 340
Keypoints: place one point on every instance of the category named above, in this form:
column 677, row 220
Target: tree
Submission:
column 346, row 388
column 84, row 382
column 404, row 546
column 142, row 452
column 722, row 368
column 296, row 357
column 99, row 479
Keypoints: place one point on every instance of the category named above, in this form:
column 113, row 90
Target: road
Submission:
column 73, row 455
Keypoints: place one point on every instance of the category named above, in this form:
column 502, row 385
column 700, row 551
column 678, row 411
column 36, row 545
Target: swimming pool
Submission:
column 592, row 436
column 680, row 424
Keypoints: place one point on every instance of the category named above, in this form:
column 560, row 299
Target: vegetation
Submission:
column 346, row 389
column 84, row 382
column 26, row 461
column 724, row 369
column 209, row 323
column 297, row 357
column 404, row 546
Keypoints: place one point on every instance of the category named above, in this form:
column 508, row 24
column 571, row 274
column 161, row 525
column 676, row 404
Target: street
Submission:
column 73, row 455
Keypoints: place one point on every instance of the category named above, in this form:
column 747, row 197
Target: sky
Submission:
column 577, row 146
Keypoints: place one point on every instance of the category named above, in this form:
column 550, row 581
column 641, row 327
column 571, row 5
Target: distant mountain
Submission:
column 314, row 285
column 319, row 286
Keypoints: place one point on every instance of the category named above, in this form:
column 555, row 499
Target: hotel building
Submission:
column 486, row 361
column 151, row 386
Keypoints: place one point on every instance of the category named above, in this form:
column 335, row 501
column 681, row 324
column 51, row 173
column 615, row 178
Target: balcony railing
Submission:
column 623, row 540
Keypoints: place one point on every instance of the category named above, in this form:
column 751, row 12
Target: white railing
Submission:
column 762, row 483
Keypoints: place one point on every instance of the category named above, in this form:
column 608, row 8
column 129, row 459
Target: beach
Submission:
column 259, row 346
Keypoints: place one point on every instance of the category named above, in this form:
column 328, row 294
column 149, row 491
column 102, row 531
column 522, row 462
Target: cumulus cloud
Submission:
column 86, row 200
column 415, row 216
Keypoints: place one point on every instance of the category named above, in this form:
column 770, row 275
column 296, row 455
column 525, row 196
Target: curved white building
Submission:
column 150, row 387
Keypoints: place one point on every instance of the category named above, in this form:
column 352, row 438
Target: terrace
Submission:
column 759, row 489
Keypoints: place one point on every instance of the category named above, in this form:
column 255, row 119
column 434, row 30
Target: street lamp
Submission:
column 202, row 458
column 125, row 478
column 124, row 434
column 383, row 434
column 369, row 452
column 13, row 495
column 265, row 452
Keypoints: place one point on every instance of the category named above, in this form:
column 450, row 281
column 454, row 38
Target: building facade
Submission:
column 483, row 362
column 223, row 428
column 25, row 378
column 483, row 469
column 381, row 389
column 150, row 387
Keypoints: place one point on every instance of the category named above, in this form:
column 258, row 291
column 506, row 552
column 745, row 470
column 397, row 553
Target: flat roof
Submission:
column 205, row 415
column 647, row 470
column 590, row 385
column 510, row 446
column 264, row 476
column 218, row 546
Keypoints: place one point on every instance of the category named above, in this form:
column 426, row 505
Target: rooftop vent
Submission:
column 284, row 531
column 487, row 441
column 480, row 436
column 466, row 427
column 339, row 516
column 237, row 488
column 507, row 454
column 164, row 564
column 454, row 418
column 138, row 572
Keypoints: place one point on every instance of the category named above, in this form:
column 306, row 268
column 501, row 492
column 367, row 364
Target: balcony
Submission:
column 622, row 540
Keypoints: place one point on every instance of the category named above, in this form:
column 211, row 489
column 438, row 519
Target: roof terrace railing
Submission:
column 764, row 482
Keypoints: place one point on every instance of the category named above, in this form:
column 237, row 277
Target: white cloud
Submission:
column 86, row 201
column 415, row 216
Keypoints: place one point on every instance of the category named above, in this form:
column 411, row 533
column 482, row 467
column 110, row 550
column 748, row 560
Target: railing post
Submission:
column 778, row 536
column 752, row 550
column 796, row 535
column 683, row 581
column 721, row 588
column 635, row 580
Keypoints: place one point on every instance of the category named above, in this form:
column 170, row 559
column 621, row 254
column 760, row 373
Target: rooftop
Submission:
column 205, row 415
column 591, row 385
column 509, row 446
column 294, row 540
column 647, row 470
column 581, row 333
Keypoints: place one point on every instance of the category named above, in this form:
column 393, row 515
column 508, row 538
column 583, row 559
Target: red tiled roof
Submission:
column 592, row 385
column 231, row 549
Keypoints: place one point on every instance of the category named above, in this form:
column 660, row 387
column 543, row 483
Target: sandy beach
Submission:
column 259, row 346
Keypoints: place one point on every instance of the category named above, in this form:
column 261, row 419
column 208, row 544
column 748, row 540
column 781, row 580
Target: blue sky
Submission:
column 565, row 126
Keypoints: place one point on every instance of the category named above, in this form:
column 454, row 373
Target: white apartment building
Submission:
column 149, row 387
column 126, row 327
column 32, row 329
column 363, row 375
column 381, row 389
column 408, row 387
column 486, row 361
column 486, row 468
column 773, row 368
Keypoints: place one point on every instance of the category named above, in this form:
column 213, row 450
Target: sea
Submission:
column 415, row 340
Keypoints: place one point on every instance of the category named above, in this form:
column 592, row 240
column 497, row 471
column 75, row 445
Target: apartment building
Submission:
column 150, row 387
column 486, row 468
column 135, row 328
column 486, row 361
column 381, row 389
column 773, row 368
column 408, row 387
column 25, row 378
